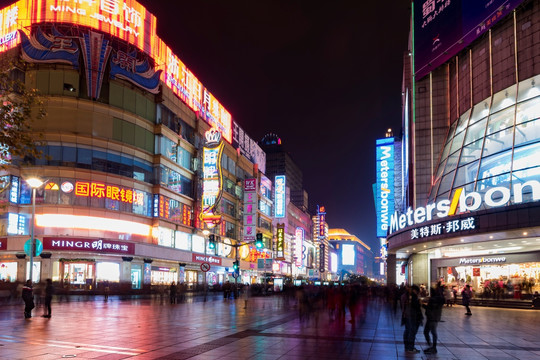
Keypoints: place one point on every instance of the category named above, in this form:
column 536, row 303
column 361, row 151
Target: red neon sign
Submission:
column 102, row 191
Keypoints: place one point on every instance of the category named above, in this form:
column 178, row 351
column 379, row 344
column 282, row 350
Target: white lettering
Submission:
column 488, row 198
column 419, row 215
column 443, row 207
column 518, row 191
column 429, row 212
column 477, row 201
column 402, row 220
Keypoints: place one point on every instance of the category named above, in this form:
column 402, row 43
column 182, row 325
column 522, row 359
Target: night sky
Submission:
column 324, row 76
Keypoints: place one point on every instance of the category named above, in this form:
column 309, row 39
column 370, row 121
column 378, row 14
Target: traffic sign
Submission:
column 235, row 275
column 205, row 266
column 38, row 246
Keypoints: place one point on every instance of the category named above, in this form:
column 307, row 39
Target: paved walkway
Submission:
column 267, row 329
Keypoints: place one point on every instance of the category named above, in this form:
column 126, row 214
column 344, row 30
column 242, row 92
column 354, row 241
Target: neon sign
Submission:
column 100, row 190
column 321, row 212
column 129, row 21
column 280, row 242
column 250, row 209
column 280, row 196
column 384, row 188
column 298, row 246
column 462, row 202
column 212, row 178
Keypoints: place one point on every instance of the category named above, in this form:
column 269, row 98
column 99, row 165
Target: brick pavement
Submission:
column 267, row 329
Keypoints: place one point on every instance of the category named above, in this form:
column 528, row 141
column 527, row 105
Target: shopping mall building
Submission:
column 471, row 147
column 139, row 158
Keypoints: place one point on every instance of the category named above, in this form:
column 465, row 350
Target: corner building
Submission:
column 472, row 107
column 123, row 154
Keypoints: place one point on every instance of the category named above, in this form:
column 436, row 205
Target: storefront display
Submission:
column 136, row 276
column 8, row 271
column 78, row 274
column 163, row 275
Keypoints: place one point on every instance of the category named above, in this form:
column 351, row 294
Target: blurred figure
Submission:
column 172, row 293
column 411, row 317
column 28, row 298
column 107, row 290
column 433, row 316
column 49, row 292
column 466, row 295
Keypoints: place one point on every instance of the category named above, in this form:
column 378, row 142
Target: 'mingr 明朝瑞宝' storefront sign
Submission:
column 96, row 245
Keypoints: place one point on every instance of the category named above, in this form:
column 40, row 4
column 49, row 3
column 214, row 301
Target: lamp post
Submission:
column 34, row 183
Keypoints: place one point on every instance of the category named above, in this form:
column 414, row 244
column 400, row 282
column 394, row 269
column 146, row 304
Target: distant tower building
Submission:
column 280, row 162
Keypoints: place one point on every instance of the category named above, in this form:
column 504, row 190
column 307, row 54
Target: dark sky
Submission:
column 324, row 76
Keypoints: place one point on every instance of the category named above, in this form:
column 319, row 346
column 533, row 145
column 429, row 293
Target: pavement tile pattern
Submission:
column 265, row 328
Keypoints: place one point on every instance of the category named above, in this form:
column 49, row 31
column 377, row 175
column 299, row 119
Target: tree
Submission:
column 20, row 107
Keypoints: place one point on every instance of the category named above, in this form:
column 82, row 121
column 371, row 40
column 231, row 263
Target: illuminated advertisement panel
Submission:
column 250, row 209
column 298, row 246
column 126, row 20
column 280, row 242
column 443, row 28
column 347, row 254
column 212, row 178
column 280, row 196
column 321, row 213
column 384, row 187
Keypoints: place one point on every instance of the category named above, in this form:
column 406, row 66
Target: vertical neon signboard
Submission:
column 212, row 178
column 250, row 209
column 321, row 213
column 279, row 204
column 280, row 242
column 384, row 191
column 298, row 246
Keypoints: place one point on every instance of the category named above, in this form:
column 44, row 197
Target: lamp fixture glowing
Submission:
column 34, row 182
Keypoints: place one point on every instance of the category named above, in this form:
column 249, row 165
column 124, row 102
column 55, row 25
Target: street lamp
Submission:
column 34, row 183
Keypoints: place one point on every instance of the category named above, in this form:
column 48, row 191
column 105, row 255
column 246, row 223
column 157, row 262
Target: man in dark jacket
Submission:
column 28, row 298
column 466, row 295
column 49, row 292
column 433, row 316
column 412, row 318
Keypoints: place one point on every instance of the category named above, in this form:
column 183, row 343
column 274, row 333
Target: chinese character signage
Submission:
column 248, row 147
column 321, row 213
column 103, row 191
column 298, row 246
column 250, row 209
column 280, row 242
column 384, row 187
column 95, row 245
column 212, row 178
column 447, row 227
column 442, row 28
column 280, row 196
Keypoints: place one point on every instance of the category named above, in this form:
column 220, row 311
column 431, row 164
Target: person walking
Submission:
column 411, row 317
column 433, row 316
column 49, row 292
column 466, row 295
column 172, row 293
column 28, row 298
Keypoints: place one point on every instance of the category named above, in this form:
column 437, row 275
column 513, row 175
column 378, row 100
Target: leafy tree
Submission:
column 20, row 107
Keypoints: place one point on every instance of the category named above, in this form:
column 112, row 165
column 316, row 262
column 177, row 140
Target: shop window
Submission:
column 446, row 182
column 500, row 180
column 36, row 271
column 182, row 240
column 504, row 99
column 495, row 165
column 471, row 152
column 466, row 174
column 108, row 271
column 198, row 244
column 497, row 142
column 476, row 132
column 501, row 120
column 521, row 177
column 528, row 110
column 526, row 156
column 527, row 132
column 8, row 271
column 480, row 111
column 463, row 121
column 452, row 162
column 457, row 143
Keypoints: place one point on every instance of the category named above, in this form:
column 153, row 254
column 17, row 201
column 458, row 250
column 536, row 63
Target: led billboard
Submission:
column 384, row 187
column 279, row 198
column 443, row 28
column 347, row 254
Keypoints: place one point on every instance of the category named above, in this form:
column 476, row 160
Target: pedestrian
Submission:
column 411, row 317
column 433, row 316
column 28, row 298
column 49, row 292
column 106, row 291
column 466, row 295
column 172, row 292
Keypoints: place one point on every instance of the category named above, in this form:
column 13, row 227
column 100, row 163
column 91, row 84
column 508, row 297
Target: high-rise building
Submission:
column 280, row 162
column 471, row 104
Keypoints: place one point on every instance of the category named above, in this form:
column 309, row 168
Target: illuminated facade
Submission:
column 353, row 255
column 474, row 181
column 132, row 180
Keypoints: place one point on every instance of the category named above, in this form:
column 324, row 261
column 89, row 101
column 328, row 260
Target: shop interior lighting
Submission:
column 92, row 223
column 525, row 233
column 480, row 252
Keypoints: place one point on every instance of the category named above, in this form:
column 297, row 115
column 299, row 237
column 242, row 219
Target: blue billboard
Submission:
column 442, row 28
column 384, row 187
column 279, row 198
